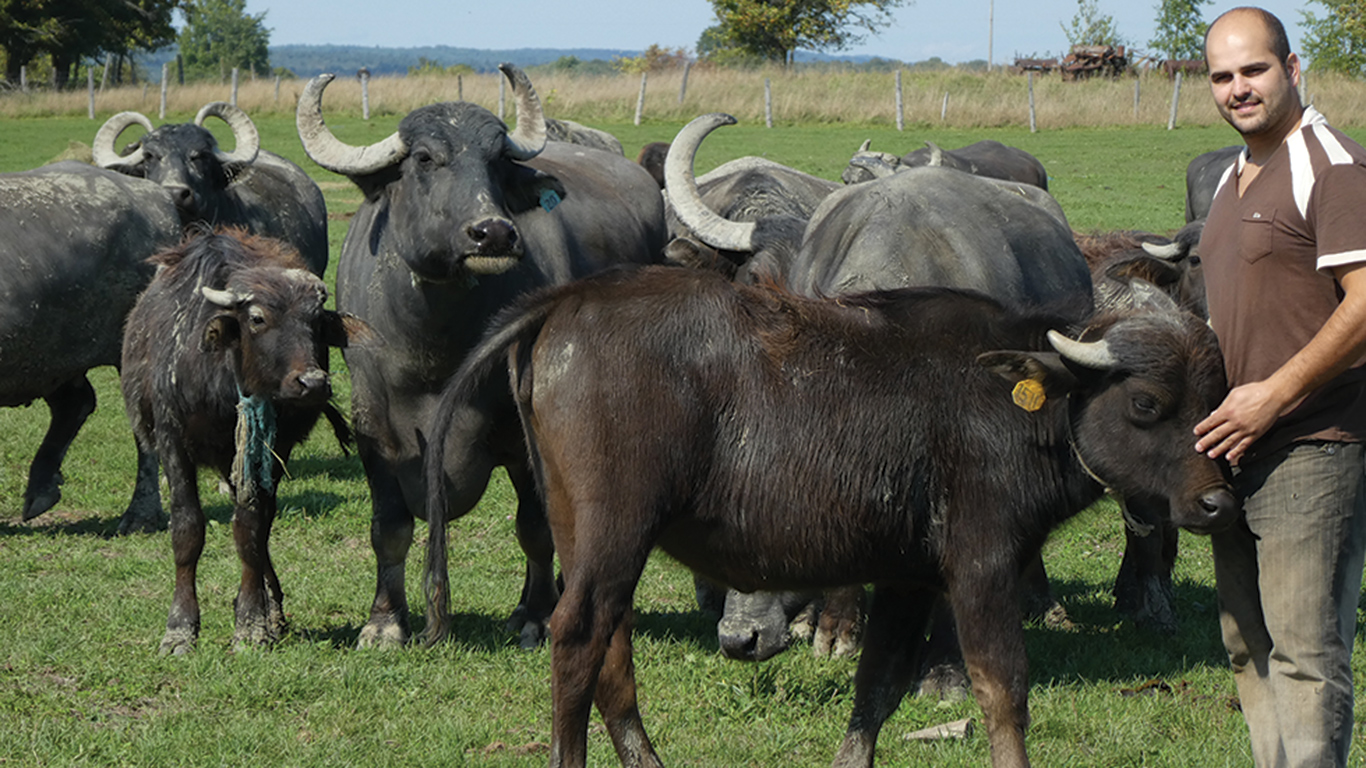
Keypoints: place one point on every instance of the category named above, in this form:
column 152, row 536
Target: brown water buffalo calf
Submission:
column 921, row 440
column 225, row 366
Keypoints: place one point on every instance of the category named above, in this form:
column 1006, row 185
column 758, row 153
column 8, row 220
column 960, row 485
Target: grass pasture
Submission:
column 82, row 610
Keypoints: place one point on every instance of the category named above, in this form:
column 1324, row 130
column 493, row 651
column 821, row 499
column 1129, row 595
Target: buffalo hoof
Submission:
column 40, row 497
column 390, row 634
column 177, row 642
column 947, row 682
column 143, row 518
column 531, row 631
column 1151, row 604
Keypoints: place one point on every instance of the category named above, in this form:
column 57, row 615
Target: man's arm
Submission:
column 1250, row 410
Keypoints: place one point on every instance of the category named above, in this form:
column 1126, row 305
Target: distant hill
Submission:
column 310, row 60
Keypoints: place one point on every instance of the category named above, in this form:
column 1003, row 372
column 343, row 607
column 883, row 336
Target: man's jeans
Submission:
column 1289, row 578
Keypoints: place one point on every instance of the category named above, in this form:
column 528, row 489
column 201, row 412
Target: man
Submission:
column 1282, row 251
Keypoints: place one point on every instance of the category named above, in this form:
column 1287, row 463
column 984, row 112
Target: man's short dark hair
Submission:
column 1280, row 43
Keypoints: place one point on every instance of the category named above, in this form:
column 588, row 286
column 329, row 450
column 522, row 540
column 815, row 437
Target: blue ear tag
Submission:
column 549, row 199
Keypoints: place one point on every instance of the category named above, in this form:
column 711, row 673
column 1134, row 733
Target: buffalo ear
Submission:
column 343, row 330
column 1154, row 270
column 1046, row 369
column 221, row 333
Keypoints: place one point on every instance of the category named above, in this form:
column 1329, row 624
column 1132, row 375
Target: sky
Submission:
column 953, row 30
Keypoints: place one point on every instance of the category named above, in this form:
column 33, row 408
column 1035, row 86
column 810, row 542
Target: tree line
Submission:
column 54, row 40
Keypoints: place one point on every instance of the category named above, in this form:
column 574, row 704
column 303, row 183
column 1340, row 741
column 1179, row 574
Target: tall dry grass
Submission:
column 975, row 100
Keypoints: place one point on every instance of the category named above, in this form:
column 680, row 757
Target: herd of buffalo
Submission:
column 794, row 386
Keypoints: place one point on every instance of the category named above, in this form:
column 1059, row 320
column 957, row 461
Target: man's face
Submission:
column 1252, row 89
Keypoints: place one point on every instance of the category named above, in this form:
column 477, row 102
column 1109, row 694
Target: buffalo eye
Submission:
column 1145, row 408
column 423, row 158
column 1194, row 261
column 256, row 318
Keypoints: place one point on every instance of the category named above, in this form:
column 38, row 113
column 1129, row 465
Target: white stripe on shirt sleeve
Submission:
column 1326, row 262
column 1301, row 171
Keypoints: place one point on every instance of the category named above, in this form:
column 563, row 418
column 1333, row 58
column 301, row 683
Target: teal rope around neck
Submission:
column 253, row 464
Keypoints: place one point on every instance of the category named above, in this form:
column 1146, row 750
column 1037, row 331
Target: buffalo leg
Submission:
column 187, row 543
column 258, row 606
column 991, row 635
column 1143, row 587
column 942, row 672
column 886, row 668
column 531, row 618
column 69, row 405
column 591, row 651
column 144, row 513
column 391, row 535
column 840, row 626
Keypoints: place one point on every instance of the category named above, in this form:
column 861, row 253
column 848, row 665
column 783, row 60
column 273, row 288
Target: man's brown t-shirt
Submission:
column 1267, row 260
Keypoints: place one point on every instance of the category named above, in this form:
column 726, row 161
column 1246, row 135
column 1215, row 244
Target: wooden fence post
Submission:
column 459, row 87
column 944, row 108
column 234, row 87
column 90, row 86
column 768, row 103
column 23, row 78
column 277, row 89
column 683, row 88
column 179, row 69
column 1033, row 126
column 900, row 105
column 165, row 72
column 502, row 96
column 1176, row 100
column 104, row 79
column 640, row 99
column 364, row 75
column 1136, row 82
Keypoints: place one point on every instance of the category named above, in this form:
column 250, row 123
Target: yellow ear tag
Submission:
column 1028, row 394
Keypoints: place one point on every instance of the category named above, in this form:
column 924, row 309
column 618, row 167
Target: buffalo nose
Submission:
column 1221, row 508
column 313, row 383
column 740, row 646
column 493, row 236
column 183, row 197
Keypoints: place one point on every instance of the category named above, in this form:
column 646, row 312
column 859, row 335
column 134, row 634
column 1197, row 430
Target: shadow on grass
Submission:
column 1103, row 645
column 339, row 468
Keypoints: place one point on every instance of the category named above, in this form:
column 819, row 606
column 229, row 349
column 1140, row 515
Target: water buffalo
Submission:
column 225, row 366
column 74, row 240
column 1203, row 175
column 984, row 158
column 922, row 440
column 460, row 217
column 922, row 226
column 248, row 187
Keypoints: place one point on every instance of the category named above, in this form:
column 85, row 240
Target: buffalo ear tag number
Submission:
column 549, row 199
column 1028, row 394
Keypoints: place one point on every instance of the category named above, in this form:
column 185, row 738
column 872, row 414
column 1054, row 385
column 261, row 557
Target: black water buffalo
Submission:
column 922, row 226
column 924, row 441
column 225, row 366
column 747, row 190
column 248, row 187
column 74, row 240
column 984, row 158
column 461, row 216
column 1202, row 179
column 570, row 132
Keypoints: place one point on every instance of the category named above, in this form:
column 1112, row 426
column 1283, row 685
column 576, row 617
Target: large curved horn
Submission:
column 1091, row 354
column 528, row 139
column 681, row 186
column 103, row 151
column 1168, row 252
column 864, row 147
column 225, row 299
column 332, row 154
column 246, row 139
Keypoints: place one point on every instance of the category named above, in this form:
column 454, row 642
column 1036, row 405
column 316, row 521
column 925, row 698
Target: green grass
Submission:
column 82, row 610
